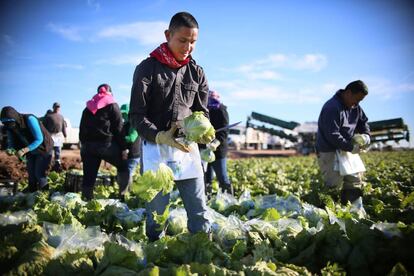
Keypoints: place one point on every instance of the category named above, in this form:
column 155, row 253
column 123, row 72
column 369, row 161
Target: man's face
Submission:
column 182, row 42
column 351, row 99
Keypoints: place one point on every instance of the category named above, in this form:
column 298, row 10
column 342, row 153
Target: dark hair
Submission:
column 107, row 87
column 182, row 19
column 357, row 86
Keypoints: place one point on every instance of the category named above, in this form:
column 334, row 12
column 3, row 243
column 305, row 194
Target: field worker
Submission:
column 167, row 87
column 219, row 118
column 340, row 119
column 55, row 124
column 132, row 142
column 100, row 136
column 31, row 140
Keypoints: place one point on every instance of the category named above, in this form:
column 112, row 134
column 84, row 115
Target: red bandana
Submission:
column 164, row 55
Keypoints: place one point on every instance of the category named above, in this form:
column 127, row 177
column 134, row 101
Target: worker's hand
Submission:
column 167, row 138
column 362, row 140
column 367, row 140
column 213, row 145
column 10, row 152
column 356, row 149
column 22, row 152
column 124, row 154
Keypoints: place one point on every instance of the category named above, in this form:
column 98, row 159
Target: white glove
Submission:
column 367, row 139
column 362, row 140
column 213, row 145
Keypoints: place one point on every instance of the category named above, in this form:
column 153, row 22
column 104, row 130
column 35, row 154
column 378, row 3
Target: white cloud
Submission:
column 310, row 62
column 70, row 33
column 225, row 85
column 387, row 89
column 70, row 66
column 278, row 66
column 146, row 33
column 130, row 59
column 241, row 91
column 265, row 75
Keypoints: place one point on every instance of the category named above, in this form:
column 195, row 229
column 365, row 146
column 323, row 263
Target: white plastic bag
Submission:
column 349, row 163
column 185, row 165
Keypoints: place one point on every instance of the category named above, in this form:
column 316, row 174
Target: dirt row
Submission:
column 13, row 169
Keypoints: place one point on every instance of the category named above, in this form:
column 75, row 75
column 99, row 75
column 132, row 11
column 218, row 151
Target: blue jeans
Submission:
column 220, row 168
column 57, row 153
column 192, row 194
column 92, row 154
column 132, row 164
column 37, row 165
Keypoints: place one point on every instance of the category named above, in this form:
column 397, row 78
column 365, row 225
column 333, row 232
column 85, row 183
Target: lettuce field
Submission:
column 281, row 221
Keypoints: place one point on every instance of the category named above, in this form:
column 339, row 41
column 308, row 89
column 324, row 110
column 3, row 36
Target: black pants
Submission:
column 37, row 165
column 92, row 154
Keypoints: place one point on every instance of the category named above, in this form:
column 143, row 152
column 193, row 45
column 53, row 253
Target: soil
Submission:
column 11, row 169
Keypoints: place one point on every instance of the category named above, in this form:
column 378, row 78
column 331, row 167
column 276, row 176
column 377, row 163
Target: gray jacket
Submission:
column 55, row 123
column 161, row 95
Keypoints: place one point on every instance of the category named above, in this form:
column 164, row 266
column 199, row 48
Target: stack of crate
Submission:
column 73, row 180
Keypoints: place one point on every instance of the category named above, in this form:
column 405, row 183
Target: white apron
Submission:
column 184, row 165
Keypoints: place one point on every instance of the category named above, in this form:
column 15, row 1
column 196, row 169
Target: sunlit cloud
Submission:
column 70, row 66
column 241, row 92
column 307, row 62
column 265, row 75
column 69, row 33
column 146, row 33
column 312, row 62
column 387, row 89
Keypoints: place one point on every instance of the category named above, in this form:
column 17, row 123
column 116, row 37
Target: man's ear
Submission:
column 167, row 35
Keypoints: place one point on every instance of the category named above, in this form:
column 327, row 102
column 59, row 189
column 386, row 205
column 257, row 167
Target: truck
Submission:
column 241, row 137
column 72, row 136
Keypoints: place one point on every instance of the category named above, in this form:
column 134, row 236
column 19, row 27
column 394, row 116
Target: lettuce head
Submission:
column 149, row 184
column 197, row 126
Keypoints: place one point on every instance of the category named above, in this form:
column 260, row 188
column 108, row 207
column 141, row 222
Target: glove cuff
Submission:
column 157, row 138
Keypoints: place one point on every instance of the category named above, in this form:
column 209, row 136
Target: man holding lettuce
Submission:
column 340, row 122
column 168, row 87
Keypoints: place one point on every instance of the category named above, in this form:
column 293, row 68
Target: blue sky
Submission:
column 280, row 58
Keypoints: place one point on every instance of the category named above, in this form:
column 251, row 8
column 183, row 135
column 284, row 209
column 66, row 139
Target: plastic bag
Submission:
column 227, row 233
column 288, row 226
column 388, row 229
column 177, row 221
column 264, row 227
column 113, row 202
column 358, row 208
column 18, row 217
column 69, row 238
column 129, row 245
column 349, row 163
column 245, row 200
column 313, row 214
column 130, row 218
column 68, row 200
column 222, row 201
column 286, row 206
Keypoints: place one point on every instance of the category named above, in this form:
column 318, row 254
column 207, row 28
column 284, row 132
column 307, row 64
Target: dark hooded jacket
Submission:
column 21, row 134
